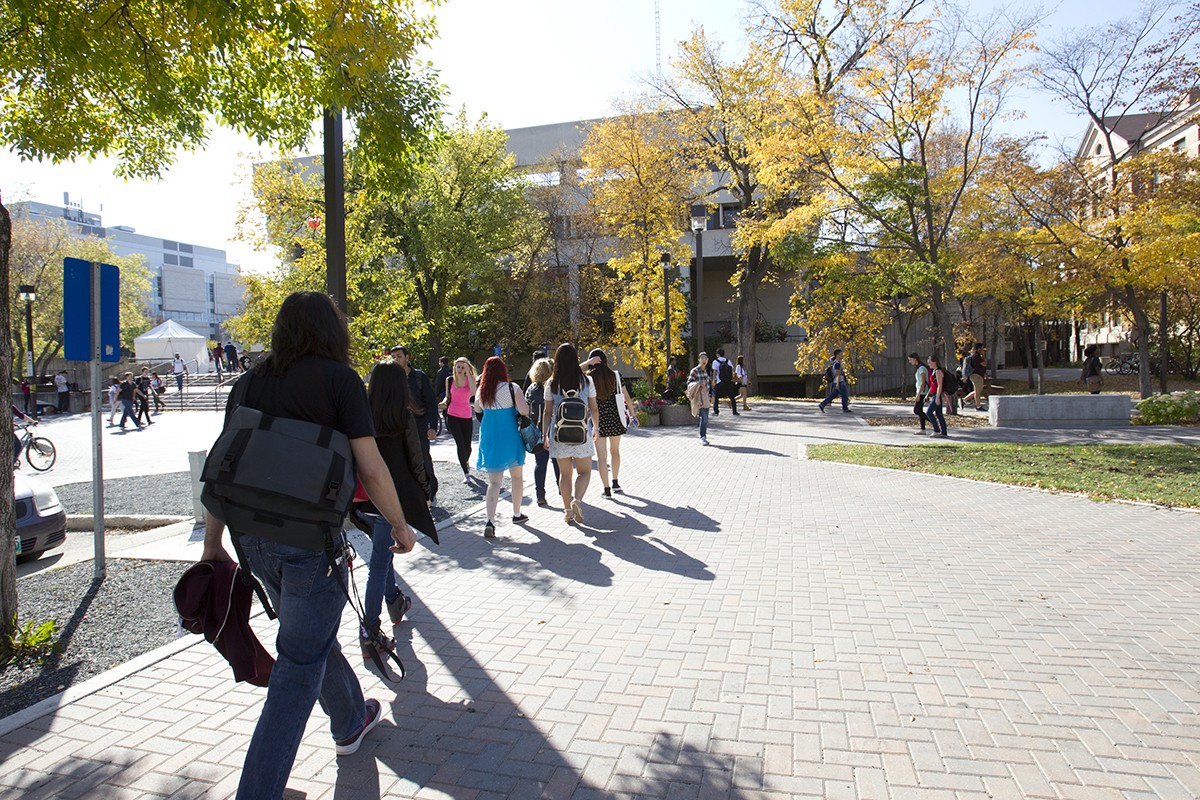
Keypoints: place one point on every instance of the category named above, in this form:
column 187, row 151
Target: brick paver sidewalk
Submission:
column 743, row 623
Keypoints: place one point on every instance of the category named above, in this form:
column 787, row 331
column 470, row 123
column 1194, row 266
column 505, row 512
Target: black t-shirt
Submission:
column 126, row 391
column 316, row 390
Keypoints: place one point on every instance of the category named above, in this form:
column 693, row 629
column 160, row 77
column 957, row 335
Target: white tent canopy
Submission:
column 163, row 342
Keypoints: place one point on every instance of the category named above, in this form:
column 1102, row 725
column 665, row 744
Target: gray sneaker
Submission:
column 348, row 747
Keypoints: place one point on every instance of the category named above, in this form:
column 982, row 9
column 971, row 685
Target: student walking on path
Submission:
column 400, row 446
column 612, row 405
column 975, row 371
column 307, row 376
column 699, row 392
column 535, row 396
column 500, row 445
column 835, row 376
column 457, row 390
column 572, row 452
column 937, row 398
column 742, row 378
column 921, row 385
column 144, row 391
column 425, row 409
column 723, row 384
column 127, row 393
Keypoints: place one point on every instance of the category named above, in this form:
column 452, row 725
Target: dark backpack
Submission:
column 286, row 480
column 829, row 375
column 570, row 419
column 951, row 381
column 725, row 371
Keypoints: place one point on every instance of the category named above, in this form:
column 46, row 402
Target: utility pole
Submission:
column 335, row 209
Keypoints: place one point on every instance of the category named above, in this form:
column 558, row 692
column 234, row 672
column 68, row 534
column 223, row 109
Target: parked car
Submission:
column 41, row 519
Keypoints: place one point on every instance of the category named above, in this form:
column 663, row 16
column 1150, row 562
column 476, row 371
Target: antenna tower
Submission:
column 657, row 41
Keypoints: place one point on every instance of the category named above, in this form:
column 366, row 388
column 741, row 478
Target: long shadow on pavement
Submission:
column 485, row 745
column 623, row 536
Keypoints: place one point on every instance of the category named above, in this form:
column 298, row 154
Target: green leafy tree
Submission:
column 641, row 184
column 141, row 79
column 1148, row 61
column 454, row 234
column 39, row 247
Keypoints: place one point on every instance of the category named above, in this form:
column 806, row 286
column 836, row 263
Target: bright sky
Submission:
column 528, row 63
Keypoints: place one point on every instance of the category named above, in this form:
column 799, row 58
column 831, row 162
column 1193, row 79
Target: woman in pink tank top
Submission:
column 460, row 388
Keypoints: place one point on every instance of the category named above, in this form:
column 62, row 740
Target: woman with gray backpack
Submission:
column 573, row 404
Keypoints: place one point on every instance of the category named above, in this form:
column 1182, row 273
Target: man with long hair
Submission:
column 424, row 407
column 307, row 376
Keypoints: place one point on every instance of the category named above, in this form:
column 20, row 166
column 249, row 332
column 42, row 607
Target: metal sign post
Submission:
column 91, row 332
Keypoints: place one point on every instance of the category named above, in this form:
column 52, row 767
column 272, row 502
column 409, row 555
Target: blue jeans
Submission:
column 381, row 578
column 934, row 412
column 179, row 381
column 541, row 458
column 310, row 666
column 127, row 413
column 834, row 391
column 704, row 423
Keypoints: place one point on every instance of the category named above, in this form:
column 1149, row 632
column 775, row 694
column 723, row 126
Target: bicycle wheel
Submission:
column 40, row 453
column 1128, row 367
column 1113, row 367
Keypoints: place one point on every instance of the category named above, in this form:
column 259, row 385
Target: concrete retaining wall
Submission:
column 1059, row 410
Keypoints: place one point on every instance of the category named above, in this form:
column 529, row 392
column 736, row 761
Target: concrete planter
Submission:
column 652, row 421
column 676, row 415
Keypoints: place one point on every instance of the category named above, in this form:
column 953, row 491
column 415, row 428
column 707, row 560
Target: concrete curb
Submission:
column 84, row 522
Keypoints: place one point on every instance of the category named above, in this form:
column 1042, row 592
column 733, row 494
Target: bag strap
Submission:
column 248, row 577
column 336, row 551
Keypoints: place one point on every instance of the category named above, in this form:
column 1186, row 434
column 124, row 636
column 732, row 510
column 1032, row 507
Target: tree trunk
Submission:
column 1141, row 323
column 1028, row 351
column 1164, row 350
column 903, row 350
column 751, row 275
column 747, row 318
column 1038, row 345
column 994, row 345
column 8, row 522
column 944, row 324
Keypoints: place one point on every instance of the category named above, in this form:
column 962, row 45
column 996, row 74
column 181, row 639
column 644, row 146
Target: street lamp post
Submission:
column 699, row 222
column 29, row 294
column 666, row 267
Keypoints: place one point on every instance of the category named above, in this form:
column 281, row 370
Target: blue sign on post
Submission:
column 77, row 311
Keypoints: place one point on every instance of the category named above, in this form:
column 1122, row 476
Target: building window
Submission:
column 729, row 215
column 170, row 259
column 185, row 248
column 169, row 245
column 186, row 261
column 1179, row 145
column 1098, row 149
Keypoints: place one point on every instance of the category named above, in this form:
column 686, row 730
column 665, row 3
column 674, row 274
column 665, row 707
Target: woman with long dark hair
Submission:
column 400, row 445
column 937, row 397
column 457, row 394
column 612, row 404
column 500, row 445
column 307, row 376
column 574, row 460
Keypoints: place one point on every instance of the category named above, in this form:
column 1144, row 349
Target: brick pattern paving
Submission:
column 743, row 623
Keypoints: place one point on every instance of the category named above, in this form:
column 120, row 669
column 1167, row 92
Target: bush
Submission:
column 31, row 642
column 643, row 417
column 1170, row 409
column 641, row 390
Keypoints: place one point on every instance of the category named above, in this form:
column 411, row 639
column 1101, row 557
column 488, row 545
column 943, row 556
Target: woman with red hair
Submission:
column 500, row 444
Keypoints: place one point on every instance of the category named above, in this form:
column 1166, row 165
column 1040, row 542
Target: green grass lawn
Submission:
column 1164, row 474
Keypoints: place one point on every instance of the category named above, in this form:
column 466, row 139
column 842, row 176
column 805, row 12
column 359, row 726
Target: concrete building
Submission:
column 549, row 154
column 1177, row 130
column 194, row 285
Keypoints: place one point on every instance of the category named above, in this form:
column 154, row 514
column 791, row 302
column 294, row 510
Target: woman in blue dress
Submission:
column 500, row 444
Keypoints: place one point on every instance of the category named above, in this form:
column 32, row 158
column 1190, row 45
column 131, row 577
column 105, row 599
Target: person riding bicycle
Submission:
column 18, row 413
